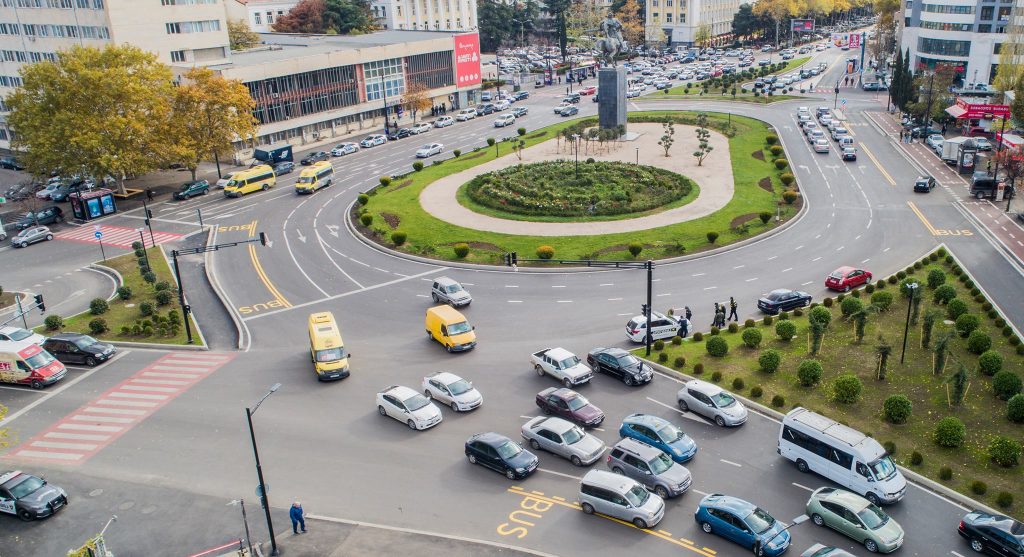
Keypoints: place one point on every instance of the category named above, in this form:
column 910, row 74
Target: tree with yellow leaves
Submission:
column 417, row 98
column 1010, row 70
column 702, row 36
column 632, row 24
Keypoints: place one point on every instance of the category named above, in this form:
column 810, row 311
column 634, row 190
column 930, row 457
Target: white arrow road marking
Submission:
column 333, row 229
column 298, row 233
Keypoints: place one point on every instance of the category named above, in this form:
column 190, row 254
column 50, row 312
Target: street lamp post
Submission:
column 259, row 469
column 906, row 328
column 576, row 151
column 245, row 521
column 835, row 104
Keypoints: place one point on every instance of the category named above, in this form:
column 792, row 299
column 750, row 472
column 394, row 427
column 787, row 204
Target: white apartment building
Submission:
column 425, row 15
column 259, row 14
column 680, row 19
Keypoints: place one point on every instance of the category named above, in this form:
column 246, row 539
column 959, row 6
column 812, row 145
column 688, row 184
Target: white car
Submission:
column 17, row 334
column 344, row 149
column 408, row 407
column 561, row 105
column 502, row 105
column 422, row 127
column 662, row 326
column 452, row 390
column 563, row 438
column 445, row 121
column 465, row 114
column 504, row 120
column 373, row 140
column 429, row 150
column 821, row 145
column 50, row 188
column 712, row 402
column 225, row 179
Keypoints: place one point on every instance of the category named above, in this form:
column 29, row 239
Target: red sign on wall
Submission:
column 467, row 59
column 854, row 40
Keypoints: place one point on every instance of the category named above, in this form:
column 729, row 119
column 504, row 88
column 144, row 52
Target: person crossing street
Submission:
column 732, row 310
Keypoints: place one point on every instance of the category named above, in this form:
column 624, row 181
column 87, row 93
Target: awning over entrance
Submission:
column 956, row 111
column 978, row 111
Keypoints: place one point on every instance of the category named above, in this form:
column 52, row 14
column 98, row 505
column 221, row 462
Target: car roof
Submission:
column 639, row 448
column 729, row 503
column 400, row 391
column 646, row 419
column 445, row 280
column 559, row 353
column 490, row 438
column 849, row 500
column 998, row 521
column 780, row 291
column 552, row 423
column 445, row 377
column 68, row 336
column 614, row 352
column 704, row 387
column 844, row 269
column 565, row 393
column 10, row 475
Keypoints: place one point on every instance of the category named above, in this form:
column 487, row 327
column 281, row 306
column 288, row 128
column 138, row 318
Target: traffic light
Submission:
column 643, row 310
column 39, row 302
column 149, row 215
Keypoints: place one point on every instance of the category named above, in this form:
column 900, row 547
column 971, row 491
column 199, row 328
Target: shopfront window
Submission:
column 944, row 47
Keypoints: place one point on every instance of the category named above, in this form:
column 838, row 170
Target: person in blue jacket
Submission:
column 297, row 519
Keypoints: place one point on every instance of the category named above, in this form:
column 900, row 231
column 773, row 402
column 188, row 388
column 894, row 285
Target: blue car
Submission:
column 501, row 454
column 744, row 523
column 660, row 433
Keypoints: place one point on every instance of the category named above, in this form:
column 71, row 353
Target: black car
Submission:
column 783, row 300
column 572, row 98
column 400, row 134
column 284, row 167
column 924, row 131
column 501, row 454
column 189, row 189
column 849, row 154
column 28, row 496
column 10, row 163
column 520, row 95
column 78, row 348
column 993, row 534
column 315, row 156
column 620, row 364
column 21, row 191
column 924, row 184
column 42, row 217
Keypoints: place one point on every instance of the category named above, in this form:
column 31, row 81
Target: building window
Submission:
column 668, row 17
column 177, row 56
column 985, row 28
column 987, row 12
column 433, row 70
column 1004, row 13
column 944, row 9
column 944, row 47
column 270, row 18
column 257, row 18
column 946, row 26
column 178, row 27
column 384, row 77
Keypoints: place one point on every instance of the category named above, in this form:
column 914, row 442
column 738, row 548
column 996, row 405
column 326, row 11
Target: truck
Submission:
column 273, row 154
column 951, row 149
column 561, row 364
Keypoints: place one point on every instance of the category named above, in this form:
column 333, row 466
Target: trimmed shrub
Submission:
column 698, row 368
column 1004, row 451
column 950, row 432
column 545, row 252
column 712, row 236
column 979, row 487
column 827, row 302
column 162, row 285
column 790, row 196
column 53, row 322
column 461, row 250
column 809, row 372
column 659, row 345
column 717, row 346
column 767, row 320
column 457, row 152
column 677, row 340
column 366, row 219
column 1015, row 408
column 990, row 363
column 892, row 279
column 785, row 330
column 98, row 306
column 385, row 181
column 756, row 392
column 398, row 237
column 738, row 384
column 850, row 306
column 979, row 342
column 124, row 292
column 679, row 362
column 363, row 199
column 137, row 246
column 787, row 179
column 716, row 376
column 882, row 300
column 698, row 336
column 897, row 409
column 417, row 166
column 967, row 323
column 821, row 315
column 733, row 327
column 916, row 458
column 635, row 248
column 785, row 314
column 771, row 139
column 847, row 388
column 163, row 297
column 769, row 360
column 663, row 357
column 1004, row 499
column 775, row 150
column 955, row 308
column 945, row 473
column 751, row 337
column 715, row 331
column 869, row 288
column 140, row 254
column 146, row 309
column 98, row 326
column 1006, row 384
column 749, row 323
column 778, row 401
column 781, row 164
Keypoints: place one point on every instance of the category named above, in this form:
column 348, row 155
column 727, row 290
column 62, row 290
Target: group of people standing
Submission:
column 720, row 316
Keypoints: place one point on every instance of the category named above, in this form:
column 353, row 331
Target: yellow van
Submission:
column 257, row 178
column 449, row 327
column 330, row 361
column 320, row 175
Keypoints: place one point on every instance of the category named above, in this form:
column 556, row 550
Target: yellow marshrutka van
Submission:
column 449, row 327
column 330, row 361
column 320, row 175
column 257, row 178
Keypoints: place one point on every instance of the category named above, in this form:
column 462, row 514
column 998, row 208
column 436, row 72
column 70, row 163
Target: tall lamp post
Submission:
column 576, row 151
column 906, row 328
column 262, row 488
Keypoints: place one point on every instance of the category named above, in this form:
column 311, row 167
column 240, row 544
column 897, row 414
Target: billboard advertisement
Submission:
column 801, row 25
column 855, row 40
column 467, row 59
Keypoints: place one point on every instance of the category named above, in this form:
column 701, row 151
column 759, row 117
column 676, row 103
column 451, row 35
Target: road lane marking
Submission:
column 921, row 216
column 736, row 464
column 263, row 276
column 802, row 486
column 515, row 301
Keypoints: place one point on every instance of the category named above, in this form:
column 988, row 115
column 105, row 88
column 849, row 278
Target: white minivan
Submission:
column 842, row 454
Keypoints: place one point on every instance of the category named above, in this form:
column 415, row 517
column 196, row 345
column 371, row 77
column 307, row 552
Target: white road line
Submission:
column 622, row 314
column 798, row 247
column 515, row 301
column 557, row 286
column 803, row 486
column 787, row 269
column 711, row 288
column 816, row 259
column 699, row 492
column 511, row 286
column 736, row 464
column 422, row 296
column 772, row 257
column 570, row 476
column 840, row 248
column 614, row 299
column 751, row 279
column 665, row 294
column 738, row 267
column 866, row 260
column 607, row 284
column 698, row 274
column 563, row 301
column 669, row 406
column 957, row 554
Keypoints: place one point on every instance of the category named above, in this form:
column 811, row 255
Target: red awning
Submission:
column 956, row 111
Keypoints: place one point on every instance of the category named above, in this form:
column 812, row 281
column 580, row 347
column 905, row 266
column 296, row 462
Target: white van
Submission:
column 842, row 454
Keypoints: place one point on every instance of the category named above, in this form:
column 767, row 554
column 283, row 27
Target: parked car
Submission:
column 520, row 111
column 712, row 402
column 11, row 163
column 743, row 523
column 993, row 534
column 78, row 348
column 429, row 150
column 422, row 127
column 855, row 517
column 783, row 300
column 845, row 278
column 849, row 153
column 408, row 407
column 283, row 167
column 520, row 95
column 189, row 189
column 345, row 149
column 49, row 215
column 821, row 550
column 450, row 389
column 621, row 498
column 620, row 364
column 570, row 405
column 484, row 109
column 223, row 181
column 501, row 454
column 19, row 192
column 465, row 114
column 649, row 466
column 49, row 189
column 924, row 184
column 17, row 334
column 563, row 438
column 315, row 156
column 821, row 145
column 659, row 432
column 570, row 110
column 982, row 144
column 373, row 140
column 31, row 236
column 29, row 497
column 444, row 121
column 400, row 133
column 935, row 141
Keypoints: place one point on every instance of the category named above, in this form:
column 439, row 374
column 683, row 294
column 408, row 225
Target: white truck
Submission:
column 951, row 149
column 561, row 364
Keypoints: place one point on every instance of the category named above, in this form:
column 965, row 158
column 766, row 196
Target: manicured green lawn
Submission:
column 397, row 207
column 981, row 411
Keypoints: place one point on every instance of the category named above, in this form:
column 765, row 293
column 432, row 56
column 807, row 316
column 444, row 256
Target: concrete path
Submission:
column 714, row 178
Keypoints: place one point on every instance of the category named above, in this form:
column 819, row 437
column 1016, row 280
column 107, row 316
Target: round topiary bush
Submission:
column 890, row 447
column 945, row 473
column 752, row 338
column 882, row 300
column 950, row 432
column 847, row 388
column 659, row 345
column 366, row 219
column 756, row 392
column 979, row 487
column 712, row 236
column 790, row 196
column 787, row 179
column 385, row 181
column 738, row 384
column 775, row 150
column 716, row 377
column 869, row 288
column 461, row 250
column 771, row 139
column 749, row 323
column 717, row 346
column 733, row 327
column 850, row 306
column 679, row 362
column 785, row 330
column 778, row 401
column 990, row 363
column 785, row 314
column 809, row 372
column 698, row 336
column 1006, row 384
column 892, row 279
column 398, row 237
column 897, row 409
column 769, row 360
column 698, row 368
column 163, row 297
column 916, row 458
column 967, row 323
column 820, row 314
column 146, row 309
column 979, row 342
column 634, row 248
column 1004, row 451
column 714, row 331
column 827, row 302
column 545, row 252
column 1015, row 408
column 124, row 292
column 162, row 285
column 1004, row 499
column 363, row 199
column 936, row 278
column 53, row 322
column 98, row 326
column 781, row 164
column 417, row 166
column 767, row 320
column 677, row 340
column 955, row 308
column 663, row 357
column 98, row 306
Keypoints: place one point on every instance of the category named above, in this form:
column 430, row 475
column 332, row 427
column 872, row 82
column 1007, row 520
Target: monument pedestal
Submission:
column 611, row 97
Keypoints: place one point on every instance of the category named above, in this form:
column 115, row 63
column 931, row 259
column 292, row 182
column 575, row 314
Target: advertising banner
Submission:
column 840, row 39
column 467, row 59
column 854, row 40
column 802, row 25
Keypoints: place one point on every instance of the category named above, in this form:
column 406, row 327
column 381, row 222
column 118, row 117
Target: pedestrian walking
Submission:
column 689, row 314
column 298, row 518
column 720, row 317
column 714, row 320
column 684, row 327
column 149, row 194
column 732, row 309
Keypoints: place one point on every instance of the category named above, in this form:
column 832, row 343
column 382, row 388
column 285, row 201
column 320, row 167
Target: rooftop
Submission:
column 285, row 46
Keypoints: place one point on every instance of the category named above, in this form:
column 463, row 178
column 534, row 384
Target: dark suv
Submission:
column 78, row 348
column 993, row 534
column 42, row 217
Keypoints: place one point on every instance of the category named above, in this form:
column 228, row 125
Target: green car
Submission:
column 856, row 517
column 189, row 189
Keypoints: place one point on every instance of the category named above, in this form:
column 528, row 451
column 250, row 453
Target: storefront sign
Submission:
column 467, row 59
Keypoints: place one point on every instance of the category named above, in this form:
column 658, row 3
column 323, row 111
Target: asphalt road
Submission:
column 325, row 443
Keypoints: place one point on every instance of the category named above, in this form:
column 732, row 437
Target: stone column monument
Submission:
column 611, row 79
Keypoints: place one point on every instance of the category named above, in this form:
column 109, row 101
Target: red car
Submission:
column 570, row 405
column 846, row 278
column 588, row 90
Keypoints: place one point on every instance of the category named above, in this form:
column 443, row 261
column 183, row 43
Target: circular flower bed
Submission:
column 601, row 189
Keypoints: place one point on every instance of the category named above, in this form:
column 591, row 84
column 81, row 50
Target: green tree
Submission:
column 209, row 113
column 240, row 37
column 493, row 17
column 703, row 147
column 702, row 36
column 581, row 21
column 934, row 85
column 1017, row 106
column 667, row 139
column 305, row 17
column 745, row 23
column 348, row 17
column 93, row 111
column 895, row 86
column 558, row 9
column 959, row 383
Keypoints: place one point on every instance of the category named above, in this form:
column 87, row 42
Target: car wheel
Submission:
column 510, row 474
column 979, row 195
column 802, row 466
column 567, row 383
column 411, row 424
column 846, row 288
column 382, row 411
column 539, row 370
column 628, row 380
column 617, row 470
column 546, row 410
column 23, row 244
column 433, row 296
column 575, row 460
column 873, row 498
column 660, row 491
column 49, row 237
column 25, row 515
column 817, row 519
column 206, row 192
column 90, row 361
column 706, row 526
column 719, row 421
column 871, row 546
column 36, row 384
column 455, row 406
column 534, row 445
column 266, row 187
column 472, row 458
column 587, row 508
column 977, row 546
column 639, row 523
column 683, row 406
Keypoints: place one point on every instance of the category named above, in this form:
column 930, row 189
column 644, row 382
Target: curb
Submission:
column 111, row 272
column 19, row 297
column 199, row 331
column 211, row 276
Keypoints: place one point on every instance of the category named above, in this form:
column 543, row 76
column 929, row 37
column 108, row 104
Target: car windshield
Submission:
column 883, row 468
column 452, row 288
column 19, row 334
column 637, row 495
column 85, row 341
column 459, row 387
column 306, row 179
column 40, row 360
column 415, row 402
column 759, row 520
column 873, row 517
column 232, row 184
column 509, row 449
column 573, row 436
column 330, row 354
column 660, row 463
column 426, row 147
column 27, row 487
column 723, row 400
column 628, row 361
column 577, row 402
column 185, row 187
column 669, row 433
column 458, row 328
column 568, row 362
column 777, row 295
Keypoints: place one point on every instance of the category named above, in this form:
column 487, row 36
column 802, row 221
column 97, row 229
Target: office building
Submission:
column 259, row 14
column 680, row 20
column 425, row 15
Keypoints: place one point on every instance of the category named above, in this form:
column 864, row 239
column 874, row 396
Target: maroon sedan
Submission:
column 846, row 278
column 570, row 405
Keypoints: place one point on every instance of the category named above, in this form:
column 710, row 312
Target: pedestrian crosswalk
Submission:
column 115, row 236
column 90, row 428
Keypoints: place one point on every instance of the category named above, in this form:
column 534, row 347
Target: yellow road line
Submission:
column 262, row 274
column 927, row 224
column 879, row 165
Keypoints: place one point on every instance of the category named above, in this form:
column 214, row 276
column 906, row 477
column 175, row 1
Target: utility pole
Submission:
column 262, row 488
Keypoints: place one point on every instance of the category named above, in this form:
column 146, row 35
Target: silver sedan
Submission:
column 712, row 402
column 563, row 438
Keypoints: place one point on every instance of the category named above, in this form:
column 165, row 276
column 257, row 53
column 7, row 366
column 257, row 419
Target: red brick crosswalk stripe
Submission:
column 115, row 236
